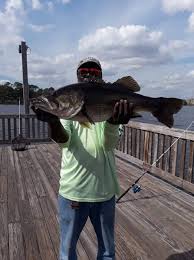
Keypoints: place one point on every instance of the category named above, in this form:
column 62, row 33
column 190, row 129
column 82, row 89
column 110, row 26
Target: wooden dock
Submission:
column 155, row 224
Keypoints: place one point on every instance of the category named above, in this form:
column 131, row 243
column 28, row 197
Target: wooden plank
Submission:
column 29, row 236
column 166, row 160
column 121, row 142
column 160, row 151
column 53, row 164
column 162, row 130
column 43, row 129
column 190, row 178
column 129, row 141
column 47, row 185
column 168, row 228
column 56, row 150
column 1, row 151
column 150, row 147
column 9, row 129
column 155, row 148
column 173, row 198
column 3, row 128
column 33, row 127
column 54, row 153
column 146, row 238
column 30, row 188
column 15, row 127
column 44, row 243
column 13, row 207
column 154, row 223
column 81, row 252
column 146, row 147
column 4, row 160
column 27, row 127
column 3, row 232
column 50, row 172
column 182, row 158
column 125, row 140
column 3, row 188
column 51, row 222
column 160, row 173
column 31, row 248
column 36, row 180
column 16, row 249
column 142, row 145
column 138, row 143
column 21, row 126
column 132, row 171
column 164, row 211
column 133, row 142
column 38, row 128
column 173, row 152
column 16, row 115
column 20, row 180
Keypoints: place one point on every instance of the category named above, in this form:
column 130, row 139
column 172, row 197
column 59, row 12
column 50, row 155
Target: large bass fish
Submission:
column 94, row 102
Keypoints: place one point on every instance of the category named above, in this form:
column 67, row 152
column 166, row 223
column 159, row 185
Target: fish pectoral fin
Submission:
column 129, row 82
column 85, row 124
column 84, row 112
column 167, row 108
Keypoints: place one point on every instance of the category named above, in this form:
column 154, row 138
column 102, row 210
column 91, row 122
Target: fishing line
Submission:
column 135, row 186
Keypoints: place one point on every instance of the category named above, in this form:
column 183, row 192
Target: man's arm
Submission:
column 57, row 131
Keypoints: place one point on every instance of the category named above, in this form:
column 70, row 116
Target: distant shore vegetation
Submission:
column 11, row 93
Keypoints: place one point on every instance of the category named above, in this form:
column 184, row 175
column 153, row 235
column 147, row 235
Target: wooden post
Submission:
column 23, row 50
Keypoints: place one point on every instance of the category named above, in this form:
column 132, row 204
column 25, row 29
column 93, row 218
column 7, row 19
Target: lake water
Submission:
column 182, row 119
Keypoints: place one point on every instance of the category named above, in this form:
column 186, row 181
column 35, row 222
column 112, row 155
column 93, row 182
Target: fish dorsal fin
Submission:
column 129, row 82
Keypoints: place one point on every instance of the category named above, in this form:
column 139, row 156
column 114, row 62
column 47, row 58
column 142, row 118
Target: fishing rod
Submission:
column 135, row 186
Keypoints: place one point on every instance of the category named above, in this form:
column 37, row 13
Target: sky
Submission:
column 151, row 40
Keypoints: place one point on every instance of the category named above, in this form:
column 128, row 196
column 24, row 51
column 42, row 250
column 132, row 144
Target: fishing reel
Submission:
column 136, row 188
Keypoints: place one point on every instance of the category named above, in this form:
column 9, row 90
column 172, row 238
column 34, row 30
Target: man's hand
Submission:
column 44, row 116
column 122, row 113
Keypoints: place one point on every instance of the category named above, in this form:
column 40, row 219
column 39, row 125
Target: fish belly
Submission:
column 95, row 113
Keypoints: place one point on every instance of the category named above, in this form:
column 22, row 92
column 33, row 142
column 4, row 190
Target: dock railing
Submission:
column 30, row 127
column 142, row 144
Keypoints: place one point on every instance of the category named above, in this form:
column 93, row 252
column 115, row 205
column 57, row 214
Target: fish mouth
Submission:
column 43, row 103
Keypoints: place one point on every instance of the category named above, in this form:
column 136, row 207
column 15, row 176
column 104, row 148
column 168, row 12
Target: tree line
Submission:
column 11, row 93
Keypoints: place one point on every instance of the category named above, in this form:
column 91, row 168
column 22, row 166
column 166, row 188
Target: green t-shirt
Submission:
column 88, row 171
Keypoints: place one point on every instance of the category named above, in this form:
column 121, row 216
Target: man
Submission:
column 88, row 182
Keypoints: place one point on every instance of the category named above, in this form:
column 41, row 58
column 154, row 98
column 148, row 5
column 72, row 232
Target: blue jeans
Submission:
column 72, row 220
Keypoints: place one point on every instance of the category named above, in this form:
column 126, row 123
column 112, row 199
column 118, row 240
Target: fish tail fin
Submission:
column 167, row 108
